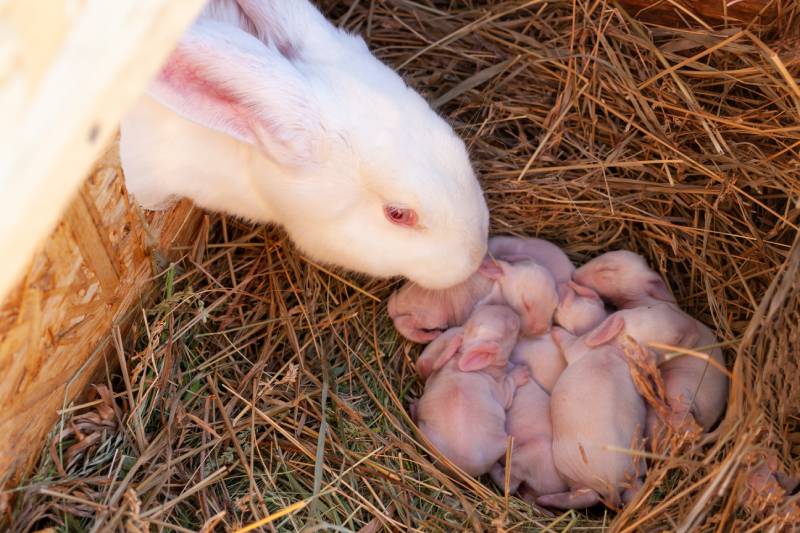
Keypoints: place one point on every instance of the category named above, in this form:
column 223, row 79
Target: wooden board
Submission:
column 69, row 69
column 55, row 326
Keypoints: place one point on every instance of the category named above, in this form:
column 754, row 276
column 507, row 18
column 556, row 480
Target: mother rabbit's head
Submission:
column 355, row 165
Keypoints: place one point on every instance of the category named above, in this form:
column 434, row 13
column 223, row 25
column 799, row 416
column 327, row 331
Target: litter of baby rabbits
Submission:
column 259, row 385
column 566, row 396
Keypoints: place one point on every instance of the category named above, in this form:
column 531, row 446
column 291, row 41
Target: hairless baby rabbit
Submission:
column 526, row 286
column 543, row 252
column 696, row 390
column 267, row 111
column 579, row 308
column 543, row 358
column 595, row 405
column 463, row 408
column 624, row 279
column 420, row 315
column 528, row 422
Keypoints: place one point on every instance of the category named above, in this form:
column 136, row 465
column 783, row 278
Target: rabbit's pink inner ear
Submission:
column 491, row 269
column 605, row 332
column 478, row 357
column 583, row 291
column 184, row 86
column 225, row 79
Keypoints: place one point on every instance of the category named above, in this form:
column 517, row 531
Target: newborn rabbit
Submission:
column 542, row 357
column 420, row 315
column 579, row 308
column 267, row 111
column 696, row 390
column 527, row 287
column 623, row 278
column 543, row 252
column 463, row 409
column 594, row 405
column 528, row 421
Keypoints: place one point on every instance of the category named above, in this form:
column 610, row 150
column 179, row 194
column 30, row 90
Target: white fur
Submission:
column 314, row 134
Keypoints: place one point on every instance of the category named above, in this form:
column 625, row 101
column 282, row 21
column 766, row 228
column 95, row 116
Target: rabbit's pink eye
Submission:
column 400, row 216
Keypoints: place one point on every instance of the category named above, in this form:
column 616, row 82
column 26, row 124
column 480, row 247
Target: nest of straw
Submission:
column 264, row 389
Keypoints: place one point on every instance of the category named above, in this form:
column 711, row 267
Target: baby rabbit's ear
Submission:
column 491, row 268
column 225, row 79
column 605, row 332
column 479, row 356
column 583, row 291
column 449, row 350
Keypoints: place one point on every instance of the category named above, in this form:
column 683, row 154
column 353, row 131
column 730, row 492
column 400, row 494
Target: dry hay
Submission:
column 263, row 383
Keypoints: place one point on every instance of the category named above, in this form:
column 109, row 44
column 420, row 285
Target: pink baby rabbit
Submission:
column 463, row 409
column 579, row 308
column 528, row 421
column 420, row 315
column 543, row 252
column 542, row 356
column 696, row 390
column 267, row 111
column 526, row 286
column 595, row 405
column 623, row 278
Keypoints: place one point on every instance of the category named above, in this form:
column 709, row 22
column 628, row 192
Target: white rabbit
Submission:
column 267, row 111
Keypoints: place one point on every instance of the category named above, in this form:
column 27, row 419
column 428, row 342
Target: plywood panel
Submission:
column 95, row 266
column 69, row 69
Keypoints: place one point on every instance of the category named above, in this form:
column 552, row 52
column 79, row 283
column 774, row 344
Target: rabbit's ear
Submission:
column 606, row 331
column 479, row 356
column 225, row 79
column 296, row 27
column 583, row 291
column 493, row 269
